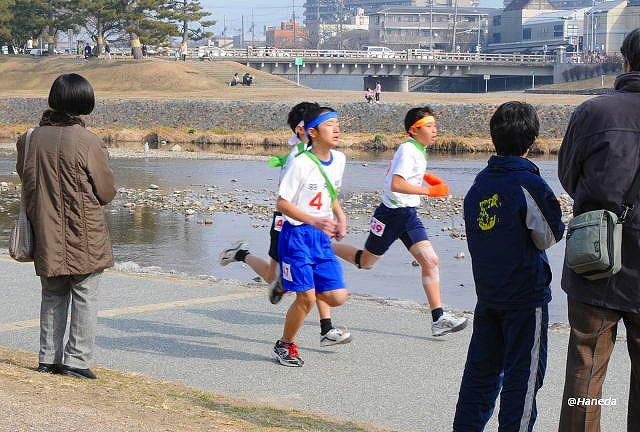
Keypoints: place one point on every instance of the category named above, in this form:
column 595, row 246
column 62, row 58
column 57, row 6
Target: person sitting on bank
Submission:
column 235, row 80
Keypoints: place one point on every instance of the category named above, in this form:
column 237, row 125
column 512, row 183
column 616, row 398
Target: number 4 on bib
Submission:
column 316, row 201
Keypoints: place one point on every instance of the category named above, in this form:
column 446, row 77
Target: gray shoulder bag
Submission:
column 594, row 239
column 21, row 239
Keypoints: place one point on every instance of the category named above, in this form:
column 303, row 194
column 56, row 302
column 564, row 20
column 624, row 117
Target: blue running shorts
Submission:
column 391, row 224
column 307, row 260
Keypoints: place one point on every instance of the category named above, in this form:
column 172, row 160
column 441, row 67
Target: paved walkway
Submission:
column 217, row 336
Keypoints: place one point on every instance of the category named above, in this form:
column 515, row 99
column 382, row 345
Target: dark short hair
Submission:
column 415, row 114
column 630, row 49
column 514, row 127
column 296, row 115
column 314, row 112
column 72, row 94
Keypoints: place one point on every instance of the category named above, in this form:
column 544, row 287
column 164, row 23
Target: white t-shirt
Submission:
column 304, row 186
column 409, row 163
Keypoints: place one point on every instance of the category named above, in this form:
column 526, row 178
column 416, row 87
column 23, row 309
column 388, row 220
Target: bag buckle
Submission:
column 625, row 212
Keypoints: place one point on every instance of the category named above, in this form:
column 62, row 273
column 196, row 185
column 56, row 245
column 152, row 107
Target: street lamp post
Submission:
column 431, row 26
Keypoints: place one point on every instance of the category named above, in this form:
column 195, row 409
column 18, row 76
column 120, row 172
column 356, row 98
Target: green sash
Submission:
column 280, row 161
column 330, row 187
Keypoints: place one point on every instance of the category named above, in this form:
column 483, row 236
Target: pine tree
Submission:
column 6, row 15
column 185, row 12
column 100, row 18
column 144, row 19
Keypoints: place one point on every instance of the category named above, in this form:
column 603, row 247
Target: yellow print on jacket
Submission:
column 485, row 220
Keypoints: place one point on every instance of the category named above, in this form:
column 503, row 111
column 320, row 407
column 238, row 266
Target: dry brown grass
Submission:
column 132, row 402
column 123, row 77
column 586, row 84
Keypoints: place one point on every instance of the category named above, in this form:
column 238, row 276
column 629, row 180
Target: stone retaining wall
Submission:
column 239, row 116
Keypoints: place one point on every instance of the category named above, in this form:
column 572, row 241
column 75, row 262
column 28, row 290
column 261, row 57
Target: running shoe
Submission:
column 276, row 290
column 228, row 256
column 335, row 336
column 287, row 354
column 448, row 323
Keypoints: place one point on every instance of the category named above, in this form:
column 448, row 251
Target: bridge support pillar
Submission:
column 388, row 83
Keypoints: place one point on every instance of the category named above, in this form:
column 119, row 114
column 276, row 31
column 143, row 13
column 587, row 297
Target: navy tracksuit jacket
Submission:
column 511, row 217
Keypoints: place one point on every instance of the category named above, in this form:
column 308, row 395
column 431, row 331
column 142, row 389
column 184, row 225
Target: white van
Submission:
column 379, row 52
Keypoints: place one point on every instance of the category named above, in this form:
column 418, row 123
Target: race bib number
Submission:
column 278, row 222
column 377, row 227
column 286, row 272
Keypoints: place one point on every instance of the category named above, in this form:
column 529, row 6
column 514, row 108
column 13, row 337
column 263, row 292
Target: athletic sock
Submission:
column 436, row 314
column 325, row 326
column 241, row 255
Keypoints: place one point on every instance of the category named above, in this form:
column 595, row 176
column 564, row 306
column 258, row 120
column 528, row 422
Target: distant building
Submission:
column 546, row 32
column 565, row 4
column 288, row 35
column 223, row 42
column 418, row 27
column 333, row 11
column 321, row 33
column 607, row 24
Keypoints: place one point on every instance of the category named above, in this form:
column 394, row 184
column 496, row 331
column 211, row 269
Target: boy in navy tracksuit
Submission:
column 511, row 217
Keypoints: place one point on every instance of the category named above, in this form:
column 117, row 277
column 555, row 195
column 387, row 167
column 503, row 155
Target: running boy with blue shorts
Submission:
column 396, row 217
column 307, row 198
column 511, row 217
column 268, row 270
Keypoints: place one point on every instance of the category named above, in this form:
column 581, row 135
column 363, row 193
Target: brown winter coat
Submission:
column 64, row 205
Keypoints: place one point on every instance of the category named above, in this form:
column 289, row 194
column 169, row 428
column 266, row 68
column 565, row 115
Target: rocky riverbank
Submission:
column 464, row 127
column 200, row 203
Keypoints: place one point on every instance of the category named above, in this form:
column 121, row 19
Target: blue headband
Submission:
column 319, row 120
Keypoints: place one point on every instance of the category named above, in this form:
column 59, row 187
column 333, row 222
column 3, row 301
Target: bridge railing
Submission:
column 391, row 57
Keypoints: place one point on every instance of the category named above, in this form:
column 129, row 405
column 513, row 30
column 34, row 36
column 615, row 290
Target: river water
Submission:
column 152, row 237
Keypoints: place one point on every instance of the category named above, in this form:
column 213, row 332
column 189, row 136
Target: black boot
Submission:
column 49, row 368
column 78, row 373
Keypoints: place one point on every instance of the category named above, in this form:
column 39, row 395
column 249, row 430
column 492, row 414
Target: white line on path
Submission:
column 108, row 313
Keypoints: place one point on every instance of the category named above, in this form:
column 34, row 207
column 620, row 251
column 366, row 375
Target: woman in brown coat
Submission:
column 67, row 179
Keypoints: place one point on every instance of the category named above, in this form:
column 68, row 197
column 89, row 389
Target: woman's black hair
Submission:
column 313, row 113
column 71, row 94
column 514, row 127
column 630, row 49
column 415, row 114
column 296, row 115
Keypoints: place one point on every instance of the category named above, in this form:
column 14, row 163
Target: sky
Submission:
column 229, row 13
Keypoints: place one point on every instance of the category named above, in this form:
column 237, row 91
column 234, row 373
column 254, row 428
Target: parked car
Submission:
column 379, row 52
column 424, row 54
column 38, row 52
column 207, row 51
column 334, row 53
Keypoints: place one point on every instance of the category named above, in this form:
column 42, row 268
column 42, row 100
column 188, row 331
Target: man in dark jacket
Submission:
column 599, row 157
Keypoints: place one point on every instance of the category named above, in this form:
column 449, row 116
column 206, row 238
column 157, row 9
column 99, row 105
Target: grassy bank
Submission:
column 195, row 140
column 124, row 401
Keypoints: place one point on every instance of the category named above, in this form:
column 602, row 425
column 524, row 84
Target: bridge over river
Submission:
column 393, row 69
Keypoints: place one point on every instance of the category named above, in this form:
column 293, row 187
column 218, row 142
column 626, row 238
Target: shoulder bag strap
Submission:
column 27, row 141
column 330, row 187
column 630, row 197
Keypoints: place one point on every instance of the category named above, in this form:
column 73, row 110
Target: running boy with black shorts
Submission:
column 307, row 198
column 511, row 216
column 268, row 270
column 396, row 217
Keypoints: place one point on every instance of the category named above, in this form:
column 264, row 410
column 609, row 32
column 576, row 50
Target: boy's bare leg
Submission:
column 426, row 256
column 324, row 310
column 263, row 268
column 348, row 253
column 334, row 298
column 297, row 313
